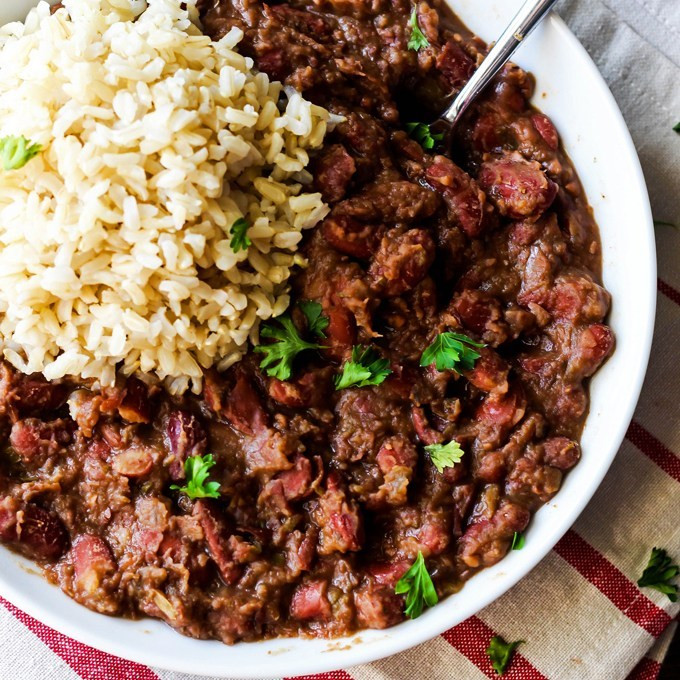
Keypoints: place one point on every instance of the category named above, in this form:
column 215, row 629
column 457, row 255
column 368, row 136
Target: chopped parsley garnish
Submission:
column 317, row 323
column 239, row 235
column 365, row 368
column 659, row 573
column 279, row 355
column 445, row 455
column 501, row 652
column 422, row 133
column 417, row 40
column 15, row 152
column 419, row 589
column 452, row 352
column 196, row 469
column 518, row 541
column 676, row 127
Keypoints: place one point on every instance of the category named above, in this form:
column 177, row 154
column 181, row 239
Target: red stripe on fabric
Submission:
column 333, row 675
column 612, row 583
column 647, row 669
column 87, row 662
column 654, row 449
column 471, row 638
column 668, row 291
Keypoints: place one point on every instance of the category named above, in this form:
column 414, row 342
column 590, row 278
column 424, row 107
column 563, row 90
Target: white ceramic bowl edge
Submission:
column 571, row 91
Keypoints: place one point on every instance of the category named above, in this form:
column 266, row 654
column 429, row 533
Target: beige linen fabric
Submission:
column 579, row 611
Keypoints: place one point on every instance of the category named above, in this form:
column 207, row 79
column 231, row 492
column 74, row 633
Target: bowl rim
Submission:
column 367, row 646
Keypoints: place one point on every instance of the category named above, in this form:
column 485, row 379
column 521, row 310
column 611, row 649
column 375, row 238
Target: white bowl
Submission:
column 572, row 92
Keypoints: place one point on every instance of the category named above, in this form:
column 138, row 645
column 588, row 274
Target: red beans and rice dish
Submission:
column 327, row 496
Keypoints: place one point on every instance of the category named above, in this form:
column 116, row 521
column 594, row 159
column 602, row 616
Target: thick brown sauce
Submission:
column 327, row 496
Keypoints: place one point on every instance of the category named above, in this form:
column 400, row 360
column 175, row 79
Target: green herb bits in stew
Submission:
column 393, row 431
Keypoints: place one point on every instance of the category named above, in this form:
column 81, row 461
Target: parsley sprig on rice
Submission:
column 115, row 239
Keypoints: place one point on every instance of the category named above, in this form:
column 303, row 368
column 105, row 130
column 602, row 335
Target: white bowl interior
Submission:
column 571, row 91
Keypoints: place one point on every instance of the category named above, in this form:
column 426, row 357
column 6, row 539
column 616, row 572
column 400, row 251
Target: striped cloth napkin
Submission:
column 580, row 613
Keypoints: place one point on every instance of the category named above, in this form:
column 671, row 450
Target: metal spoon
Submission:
column 529, row 16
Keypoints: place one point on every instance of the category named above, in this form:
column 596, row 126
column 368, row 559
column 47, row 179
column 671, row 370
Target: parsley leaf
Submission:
column 445, row 455
column 317, row 323
column 661, row 223
column 15, row 152
column 196, row 469
column 419, row 589
column 501, row 652
column 676, row 127
column 239, row 235
column 365, row 368
column 452, row 352
column 658, row 574
column 278, row 359
column 518, row 541
column 422, row 133
column 417, row 40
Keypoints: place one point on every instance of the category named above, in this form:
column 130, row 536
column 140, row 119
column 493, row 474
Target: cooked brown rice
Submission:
column 114, row 240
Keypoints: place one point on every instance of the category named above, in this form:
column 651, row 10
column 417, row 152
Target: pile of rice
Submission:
column 115, row 239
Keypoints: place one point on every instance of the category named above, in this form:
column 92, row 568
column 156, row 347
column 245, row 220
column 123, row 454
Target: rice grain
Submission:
column 114, row 241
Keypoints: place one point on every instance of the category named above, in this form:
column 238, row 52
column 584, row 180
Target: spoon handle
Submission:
column 529, row 16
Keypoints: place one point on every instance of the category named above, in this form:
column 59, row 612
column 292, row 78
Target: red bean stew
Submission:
column 314, row 494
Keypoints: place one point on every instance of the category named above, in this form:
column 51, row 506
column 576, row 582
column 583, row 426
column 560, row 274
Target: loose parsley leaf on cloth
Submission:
column 676, row 127
column 422, row 133
column 365, row 368
column 659, row 573
column 518, row 541
column 419, row 589
column 239, row 235
column 15, row 152
column 417, row 40
column 279, row 355
column 501, row 652
column 445, row 455
column 452, row 352
column 197, row 469
column 317, row 323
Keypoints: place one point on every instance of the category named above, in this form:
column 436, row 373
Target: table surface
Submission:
column 671, row 666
